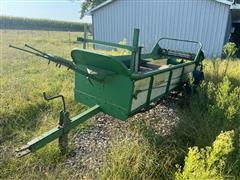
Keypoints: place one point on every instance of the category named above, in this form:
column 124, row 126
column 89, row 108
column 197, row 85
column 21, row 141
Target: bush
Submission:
column 209, row 162
column 215, row 108
column 230, row 50
column 224, row 101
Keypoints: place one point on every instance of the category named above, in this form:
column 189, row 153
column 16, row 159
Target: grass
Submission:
column 24, row 113
column 142, row 154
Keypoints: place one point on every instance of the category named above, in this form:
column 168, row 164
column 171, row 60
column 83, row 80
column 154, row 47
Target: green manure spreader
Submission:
column 120, row 86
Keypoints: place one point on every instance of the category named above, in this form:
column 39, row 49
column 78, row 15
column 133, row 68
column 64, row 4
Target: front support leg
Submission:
column 63, row 138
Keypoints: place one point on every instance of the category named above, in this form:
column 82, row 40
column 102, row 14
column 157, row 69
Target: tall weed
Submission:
column 230, row 50
column 215, row 108
column 209, row 162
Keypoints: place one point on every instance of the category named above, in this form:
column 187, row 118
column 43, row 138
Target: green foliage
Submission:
column 208, row 163
column 89, row 4
column 215, row 108
column 225, row 101
column 7, row 22
column 216, row 70
column 230, row 50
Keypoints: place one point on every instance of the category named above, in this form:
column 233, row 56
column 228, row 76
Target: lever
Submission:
column 48, row 98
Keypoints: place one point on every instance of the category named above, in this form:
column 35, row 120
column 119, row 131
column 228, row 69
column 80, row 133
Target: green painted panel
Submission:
column 104, row 62
column 113, row 95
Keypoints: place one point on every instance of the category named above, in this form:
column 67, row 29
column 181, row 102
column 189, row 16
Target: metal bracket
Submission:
column 22, row 151
column 63, row 139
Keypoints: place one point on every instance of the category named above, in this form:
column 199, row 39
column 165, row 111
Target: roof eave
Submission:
column 225, row 2
column 98, row 7
column 230, row 3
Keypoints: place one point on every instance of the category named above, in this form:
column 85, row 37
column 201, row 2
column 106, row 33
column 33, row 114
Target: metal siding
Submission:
column 203, row 20
column 229, row 28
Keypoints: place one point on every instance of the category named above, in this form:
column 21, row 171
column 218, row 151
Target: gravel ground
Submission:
column 92, row 145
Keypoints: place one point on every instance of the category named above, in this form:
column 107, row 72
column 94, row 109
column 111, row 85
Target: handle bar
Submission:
column 48, row 98
column 181, row 40
column 188, row 41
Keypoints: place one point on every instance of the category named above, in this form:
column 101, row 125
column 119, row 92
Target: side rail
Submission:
column 132, row 48
column 183, row 54
column 135, row 50
column 86, row 40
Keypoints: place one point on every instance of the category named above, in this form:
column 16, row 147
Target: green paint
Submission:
column 149, row 91
column 130, row 48
column 58, row 132
column 169, row 81
column 116, row 85
column 135, row 56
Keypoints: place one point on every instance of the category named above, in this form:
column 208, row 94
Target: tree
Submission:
column 89, row 4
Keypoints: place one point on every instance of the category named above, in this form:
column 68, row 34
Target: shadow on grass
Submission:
column 23, row 119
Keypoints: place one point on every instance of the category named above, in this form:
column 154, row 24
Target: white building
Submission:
column 208, row 21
